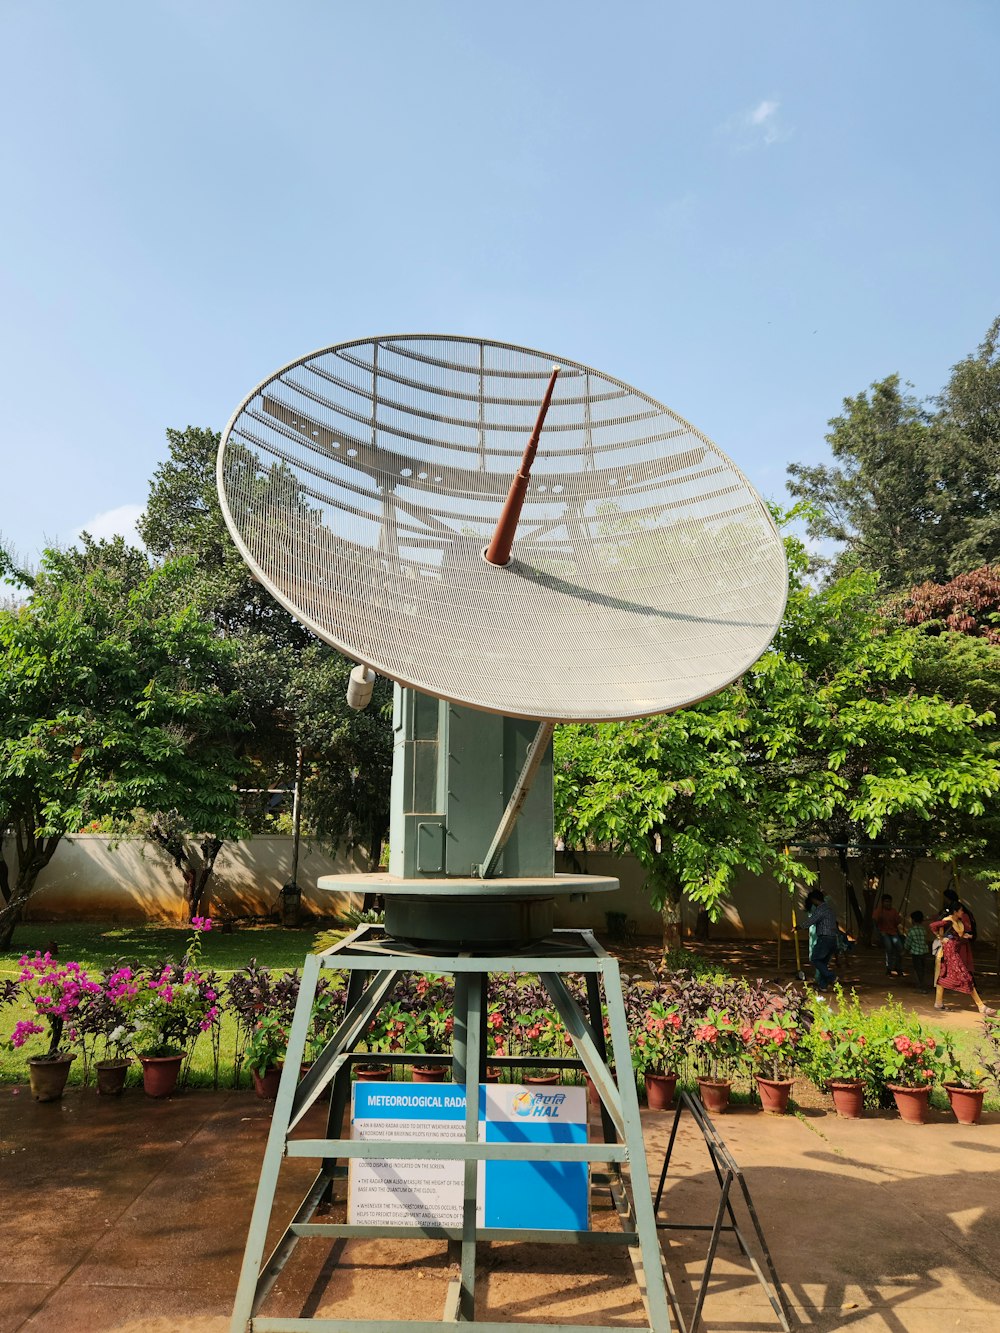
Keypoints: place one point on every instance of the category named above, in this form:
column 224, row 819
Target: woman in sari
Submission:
column 955, row 965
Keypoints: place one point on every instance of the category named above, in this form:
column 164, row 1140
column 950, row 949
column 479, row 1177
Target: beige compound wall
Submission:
column 757, row 906
column 91, row 878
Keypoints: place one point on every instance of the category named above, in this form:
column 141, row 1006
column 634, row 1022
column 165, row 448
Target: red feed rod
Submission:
column 498, row 551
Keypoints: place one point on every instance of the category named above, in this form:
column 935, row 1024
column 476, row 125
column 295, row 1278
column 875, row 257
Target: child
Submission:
column 919, row 949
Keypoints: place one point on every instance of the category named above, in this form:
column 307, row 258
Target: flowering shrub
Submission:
column 837, row 1046
column 426, row 1031
column 719, row 1045
column 56, row 992
column 774, row 1049
column 988, row 1055
column 327, row 1012
column 659, row 1042
column 104, row 1015
column 910, row 1059
column 540, row 1036
column 252, row 993
column 955, row 1074
column 173, row 1004
column 267, row 1044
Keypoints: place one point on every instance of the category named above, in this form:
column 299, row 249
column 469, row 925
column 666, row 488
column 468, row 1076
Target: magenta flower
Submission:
column 23, row 1030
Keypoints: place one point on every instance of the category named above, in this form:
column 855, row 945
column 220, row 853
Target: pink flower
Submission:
column 23, row 1030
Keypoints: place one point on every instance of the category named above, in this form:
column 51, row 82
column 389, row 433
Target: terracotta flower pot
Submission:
column 774, row 1094
column 48, row 1076
column 160, row 1074
column 848, row 1097
column 967, row 1103
column 111, row 1075
column 660, row 1091
column 372, row 1073
column 430, row 1073
column 265, row 1084
column 911, row 1103
column 714, row 1094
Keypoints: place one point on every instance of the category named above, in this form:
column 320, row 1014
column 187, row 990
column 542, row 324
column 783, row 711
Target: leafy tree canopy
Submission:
column 293, row 686
column 112, row 699
column 914, row 491
column 826, row 738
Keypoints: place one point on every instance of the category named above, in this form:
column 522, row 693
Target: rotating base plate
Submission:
column 469, row 912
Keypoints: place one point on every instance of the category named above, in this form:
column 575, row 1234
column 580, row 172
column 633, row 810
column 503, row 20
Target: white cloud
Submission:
column 763, row 111
column 759, row 126
column 114, row 523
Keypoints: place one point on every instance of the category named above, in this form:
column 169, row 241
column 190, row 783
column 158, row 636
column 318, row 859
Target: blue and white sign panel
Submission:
column 401, row 1192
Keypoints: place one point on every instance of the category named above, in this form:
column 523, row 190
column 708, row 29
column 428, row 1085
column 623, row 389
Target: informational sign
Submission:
column 427, row 1192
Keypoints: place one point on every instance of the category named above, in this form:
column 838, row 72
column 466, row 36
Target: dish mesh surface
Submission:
column 363, row 482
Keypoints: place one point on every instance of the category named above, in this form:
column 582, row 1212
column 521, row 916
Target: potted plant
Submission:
column 656, row 1050
column 427, row 1033
column 773, row 1053
column 839, row 1056
column 383, row 1037
column 965, row 1087
column 55, row 992
column 251, row 993
column 718, row 1044
column 265, row 1052
column 103, row 1018
column 541, row 1037
column 174, row 1003
column 909, row 1061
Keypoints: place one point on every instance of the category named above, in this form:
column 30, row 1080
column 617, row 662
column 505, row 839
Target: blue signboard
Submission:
column 540, row 1195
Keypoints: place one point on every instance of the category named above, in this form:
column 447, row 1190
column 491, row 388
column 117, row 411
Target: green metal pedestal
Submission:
column 374, row 963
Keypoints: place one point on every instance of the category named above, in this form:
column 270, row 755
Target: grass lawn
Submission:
column 98, row 946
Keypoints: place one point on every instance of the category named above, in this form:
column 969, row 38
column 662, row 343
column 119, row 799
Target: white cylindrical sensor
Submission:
column 360, row 684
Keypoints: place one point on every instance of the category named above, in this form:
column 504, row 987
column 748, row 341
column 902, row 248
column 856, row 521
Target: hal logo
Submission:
column 538, row 1105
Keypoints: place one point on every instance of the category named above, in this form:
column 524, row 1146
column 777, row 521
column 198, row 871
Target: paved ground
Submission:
column 131, row 1215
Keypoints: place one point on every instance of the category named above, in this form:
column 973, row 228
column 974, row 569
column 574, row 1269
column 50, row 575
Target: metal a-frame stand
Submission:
column 373, row 963
column 728, row 1174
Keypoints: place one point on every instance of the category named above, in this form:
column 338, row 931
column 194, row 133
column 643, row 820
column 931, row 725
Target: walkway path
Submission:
column 131, row 1215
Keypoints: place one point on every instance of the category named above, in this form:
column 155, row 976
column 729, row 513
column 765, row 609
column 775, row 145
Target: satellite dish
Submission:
column 364, row 482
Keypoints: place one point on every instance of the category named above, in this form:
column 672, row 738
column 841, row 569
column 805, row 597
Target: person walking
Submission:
column 823, row 918
column 953, row 904
column 886, row 921
column 953, row 972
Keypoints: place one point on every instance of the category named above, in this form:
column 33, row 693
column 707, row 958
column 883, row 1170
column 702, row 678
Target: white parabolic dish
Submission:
column 362, row 482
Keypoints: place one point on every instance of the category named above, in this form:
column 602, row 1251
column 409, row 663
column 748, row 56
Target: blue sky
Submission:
column 746, row 210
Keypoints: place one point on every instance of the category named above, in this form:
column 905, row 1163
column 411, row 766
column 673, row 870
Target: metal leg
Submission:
column 713, row 1245
column 247, row 1290
column 597, row 1027
column 669, row 1153
column 642, row 1201
column 473, row 1030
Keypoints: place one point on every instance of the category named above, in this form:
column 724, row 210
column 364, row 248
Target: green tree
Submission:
column 826, row 739
column 293, row 686
column 110, row 702
column 914, row 491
